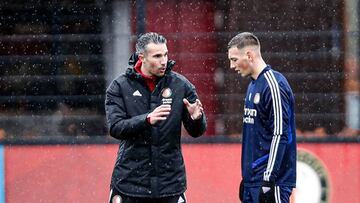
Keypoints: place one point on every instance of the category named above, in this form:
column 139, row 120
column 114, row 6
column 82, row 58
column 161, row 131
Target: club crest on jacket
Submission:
column 166, row 94
column 257, row 98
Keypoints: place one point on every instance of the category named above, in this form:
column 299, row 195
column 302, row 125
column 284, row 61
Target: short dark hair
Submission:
column 147, row 38
column 244, row 39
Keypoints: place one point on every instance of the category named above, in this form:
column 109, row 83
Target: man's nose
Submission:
column 232, row 66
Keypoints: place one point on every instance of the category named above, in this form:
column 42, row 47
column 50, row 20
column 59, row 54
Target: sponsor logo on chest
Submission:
column 249, row 115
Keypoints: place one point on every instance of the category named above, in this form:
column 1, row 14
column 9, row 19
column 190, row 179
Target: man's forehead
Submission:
column 152, row 47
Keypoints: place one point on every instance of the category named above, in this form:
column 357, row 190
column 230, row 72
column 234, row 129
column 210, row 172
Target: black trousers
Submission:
column 117, row 197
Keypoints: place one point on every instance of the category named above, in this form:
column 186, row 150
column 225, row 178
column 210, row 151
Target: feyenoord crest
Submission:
column 312, row 183
column 257, row 98
column 166, row 94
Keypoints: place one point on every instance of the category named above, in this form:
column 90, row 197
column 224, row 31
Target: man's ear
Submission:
column 249, row 55
column 141, row 57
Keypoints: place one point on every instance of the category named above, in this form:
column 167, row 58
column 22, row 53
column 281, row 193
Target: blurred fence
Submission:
column 54, row 57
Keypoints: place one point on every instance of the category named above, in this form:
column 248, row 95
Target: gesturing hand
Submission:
column 159, row 114
column 195, row 109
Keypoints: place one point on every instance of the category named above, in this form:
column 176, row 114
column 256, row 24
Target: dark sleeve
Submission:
column 120, row 124
column 278, row 101
column 195, row 128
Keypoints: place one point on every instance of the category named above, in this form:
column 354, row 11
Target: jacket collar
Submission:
column 268, row 67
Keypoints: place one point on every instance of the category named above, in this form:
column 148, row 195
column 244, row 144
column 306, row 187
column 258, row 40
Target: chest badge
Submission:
column 137, row 93
column 257, row 98
column 166, row 94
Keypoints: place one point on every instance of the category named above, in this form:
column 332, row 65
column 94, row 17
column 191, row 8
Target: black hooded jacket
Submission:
column 149, row 161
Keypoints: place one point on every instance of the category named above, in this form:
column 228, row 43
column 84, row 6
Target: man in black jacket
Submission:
column 145, row 108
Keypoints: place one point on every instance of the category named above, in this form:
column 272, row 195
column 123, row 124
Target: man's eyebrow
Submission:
column 160, row 54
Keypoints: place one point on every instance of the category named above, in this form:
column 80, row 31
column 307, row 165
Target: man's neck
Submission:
column 258, row 68
column 139, row 67
column 145, row 72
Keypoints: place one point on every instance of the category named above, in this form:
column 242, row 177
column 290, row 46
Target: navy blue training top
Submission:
column 269, row 139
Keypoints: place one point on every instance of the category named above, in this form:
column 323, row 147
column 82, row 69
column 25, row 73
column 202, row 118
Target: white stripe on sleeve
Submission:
column 276, row 99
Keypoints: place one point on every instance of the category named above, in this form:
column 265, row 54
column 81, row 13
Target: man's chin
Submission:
column 242, row 74
column 160, row 74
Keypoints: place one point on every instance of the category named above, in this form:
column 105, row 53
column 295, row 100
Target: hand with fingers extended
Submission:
column 195, row 109
column 160, row 113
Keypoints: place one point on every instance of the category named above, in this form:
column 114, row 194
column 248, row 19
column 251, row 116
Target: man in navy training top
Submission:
column 145, row 108
column 268, row 161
